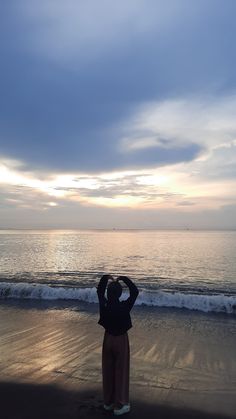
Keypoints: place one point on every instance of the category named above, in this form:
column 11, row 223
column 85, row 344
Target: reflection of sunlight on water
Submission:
column 184, row 353
column 58, row 346
column 167, row 350
column 166, row 258
column 186, row 360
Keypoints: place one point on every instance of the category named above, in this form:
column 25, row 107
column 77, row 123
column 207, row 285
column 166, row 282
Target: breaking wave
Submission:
column 159, row 298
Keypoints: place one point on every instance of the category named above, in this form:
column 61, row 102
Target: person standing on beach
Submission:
column 115, row 318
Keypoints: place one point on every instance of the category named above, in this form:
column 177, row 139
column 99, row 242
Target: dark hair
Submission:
column 114, row 290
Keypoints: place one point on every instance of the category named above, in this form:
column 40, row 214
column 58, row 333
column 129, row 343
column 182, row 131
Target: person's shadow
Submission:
column 32, row 401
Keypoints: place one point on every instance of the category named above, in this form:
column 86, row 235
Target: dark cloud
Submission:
column 69, row 112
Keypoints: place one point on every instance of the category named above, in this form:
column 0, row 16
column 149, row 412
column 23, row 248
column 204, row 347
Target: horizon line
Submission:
column 120, row 229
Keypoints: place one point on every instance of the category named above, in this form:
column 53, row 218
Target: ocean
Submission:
column 184, row 332
column 191, row 270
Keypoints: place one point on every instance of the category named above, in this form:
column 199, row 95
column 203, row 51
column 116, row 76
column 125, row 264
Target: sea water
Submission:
column 193, row 270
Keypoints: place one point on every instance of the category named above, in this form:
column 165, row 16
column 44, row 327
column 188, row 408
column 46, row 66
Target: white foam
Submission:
column 45, row 292
column 201, row 302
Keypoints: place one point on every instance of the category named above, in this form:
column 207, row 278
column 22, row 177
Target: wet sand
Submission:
column 183, row 363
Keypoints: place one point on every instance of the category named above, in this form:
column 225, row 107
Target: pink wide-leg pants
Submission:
column 115, row 369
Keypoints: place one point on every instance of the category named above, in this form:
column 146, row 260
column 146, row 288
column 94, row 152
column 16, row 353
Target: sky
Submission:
column 118, row 114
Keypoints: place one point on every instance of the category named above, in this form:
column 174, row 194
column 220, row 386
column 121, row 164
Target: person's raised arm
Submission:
column 133, row 290
column 102, row 287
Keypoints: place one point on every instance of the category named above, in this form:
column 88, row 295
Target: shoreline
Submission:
column 181, row 362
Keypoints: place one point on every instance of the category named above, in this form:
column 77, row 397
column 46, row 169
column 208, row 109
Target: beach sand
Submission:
column 183, row 363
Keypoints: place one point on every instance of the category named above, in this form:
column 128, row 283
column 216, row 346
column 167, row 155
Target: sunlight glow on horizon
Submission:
column 165, row 187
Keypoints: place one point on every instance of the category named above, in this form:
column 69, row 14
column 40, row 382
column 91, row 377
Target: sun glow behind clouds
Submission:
column 207, row 181
column 167, row 187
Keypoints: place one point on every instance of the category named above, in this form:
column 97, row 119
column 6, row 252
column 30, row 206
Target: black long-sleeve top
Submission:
column 115, row 315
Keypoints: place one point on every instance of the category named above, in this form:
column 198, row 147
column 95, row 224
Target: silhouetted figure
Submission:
column 115, row 318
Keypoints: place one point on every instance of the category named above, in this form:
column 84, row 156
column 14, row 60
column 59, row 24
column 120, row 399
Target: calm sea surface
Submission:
column 180, row 260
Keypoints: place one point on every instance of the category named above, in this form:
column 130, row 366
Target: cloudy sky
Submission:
column 118, row 114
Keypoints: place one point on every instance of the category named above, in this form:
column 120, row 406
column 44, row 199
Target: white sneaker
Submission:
column 108, row 406
column 122, row 410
